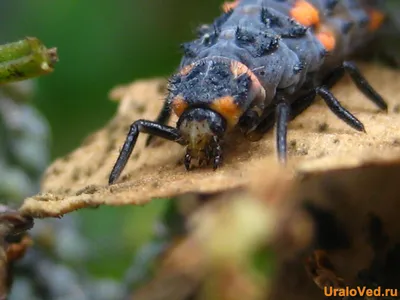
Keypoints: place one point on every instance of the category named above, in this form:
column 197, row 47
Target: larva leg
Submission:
column 331, row 80
column 338, row 109
column 254, row 126
column 359, row 80
column 265, row 125
column 305, row 101
column 363, row 85
column 282, row 119
column 267, row 121
column 162, row 118
column 144, row 126
column 296, row 108
column 308, row 98
column 301, row 104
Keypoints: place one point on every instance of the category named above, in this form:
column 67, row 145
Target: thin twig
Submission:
column 25, row 59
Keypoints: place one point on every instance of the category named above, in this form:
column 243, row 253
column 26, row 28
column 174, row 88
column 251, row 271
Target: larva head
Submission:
column 209, row 97
column 202, row 129
column 223, row 85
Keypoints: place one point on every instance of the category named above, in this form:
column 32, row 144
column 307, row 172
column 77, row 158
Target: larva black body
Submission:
column 261, row 63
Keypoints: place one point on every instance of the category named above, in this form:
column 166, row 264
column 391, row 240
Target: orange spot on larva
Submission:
column 304, row 13
column 227, row 6
column 186, row 69
column 327, row 39
column 179, row 105
column 239, row 69
column 376, row 19
column 227, row 107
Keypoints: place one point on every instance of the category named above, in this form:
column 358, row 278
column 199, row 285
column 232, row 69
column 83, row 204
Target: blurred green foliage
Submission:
column 102, row 44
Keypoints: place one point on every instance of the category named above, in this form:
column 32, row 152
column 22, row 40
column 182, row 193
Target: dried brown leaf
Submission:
column 318, row 141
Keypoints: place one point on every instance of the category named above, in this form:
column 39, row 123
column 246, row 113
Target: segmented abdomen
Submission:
column 283, row 42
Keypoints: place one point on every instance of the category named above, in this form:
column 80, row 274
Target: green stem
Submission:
column 25, row 59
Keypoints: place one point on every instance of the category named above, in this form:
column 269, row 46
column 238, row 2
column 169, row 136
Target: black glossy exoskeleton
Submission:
column 261, row 63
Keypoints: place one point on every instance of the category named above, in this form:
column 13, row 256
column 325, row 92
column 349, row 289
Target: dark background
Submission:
column 102, row 44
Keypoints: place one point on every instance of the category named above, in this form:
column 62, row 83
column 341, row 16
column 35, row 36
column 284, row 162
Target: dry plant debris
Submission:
column 318, row 142
column 13, row 244
column 339, row 194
